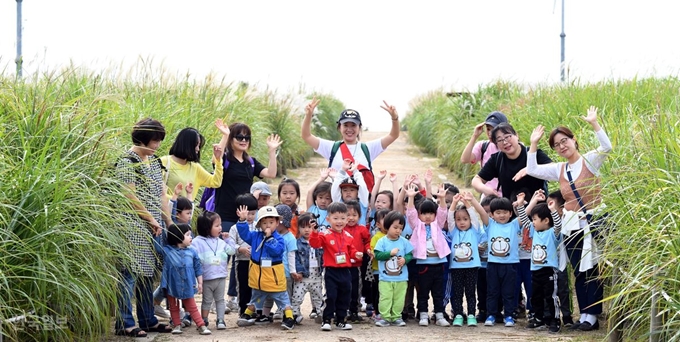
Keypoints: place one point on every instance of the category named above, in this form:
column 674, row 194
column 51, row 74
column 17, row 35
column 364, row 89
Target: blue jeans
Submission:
column 143, row 292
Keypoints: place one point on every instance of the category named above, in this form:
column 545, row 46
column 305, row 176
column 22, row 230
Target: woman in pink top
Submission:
column 583, row 172
column 481, row 151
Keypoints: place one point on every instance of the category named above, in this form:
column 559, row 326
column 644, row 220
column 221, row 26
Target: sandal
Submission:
column 136, row 332
column 160, row 328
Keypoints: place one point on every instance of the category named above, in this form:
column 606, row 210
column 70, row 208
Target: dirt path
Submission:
column 402, row 159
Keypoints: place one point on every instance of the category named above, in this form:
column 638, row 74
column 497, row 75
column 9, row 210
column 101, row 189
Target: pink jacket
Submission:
column 419, row 236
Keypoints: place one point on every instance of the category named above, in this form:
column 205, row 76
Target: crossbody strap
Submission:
column 578, row 196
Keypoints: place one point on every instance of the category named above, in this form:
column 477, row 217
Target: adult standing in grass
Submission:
column 509, row 166
column 183, row 162
column 579, row 180
column 480, row 151
column 349, row 125
column 140, row 170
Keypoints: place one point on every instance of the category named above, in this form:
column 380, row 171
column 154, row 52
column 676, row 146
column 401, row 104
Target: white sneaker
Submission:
column 221, row 325
column 326, row 327
column 203, row 330
column 424, row 320
column 177, row 329
column 232, row 304
column 441, row 321
column 278, row 314
column 160, row 312
column 344, row 326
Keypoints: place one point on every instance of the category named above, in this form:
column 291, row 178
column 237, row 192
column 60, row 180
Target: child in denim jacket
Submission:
column 309, row 267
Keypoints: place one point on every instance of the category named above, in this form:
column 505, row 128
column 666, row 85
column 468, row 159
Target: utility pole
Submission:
column 562, row 36
column 20, row 59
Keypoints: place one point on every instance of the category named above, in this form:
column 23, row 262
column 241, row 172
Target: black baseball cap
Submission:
column 349, row 115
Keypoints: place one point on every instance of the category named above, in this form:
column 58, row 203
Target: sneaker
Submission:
column 441, row 321
column 471, row 321
column 458, row 321
column 160, row 312
column 278, row 315
column 424, row 320
column 369, row 310
column 535, row 323
column 343, row 326
column 326, row 326
column 399, row 322
column 177, row 329
column 186, row 321
column 554, row 327
column 245, row 320
column 262, row 319
column 288, row 323
column 509, row 321
column 355, row 318
column 221, row 325
column 490, row 321
column 298, row 319
column 313, row 314
column 382, row 323
column 203, row 330
column 232, row 304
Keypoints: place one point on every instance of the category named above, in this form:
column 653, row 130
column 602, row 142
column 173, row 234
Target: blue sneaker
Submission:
column 490, row 321
column 509, row 321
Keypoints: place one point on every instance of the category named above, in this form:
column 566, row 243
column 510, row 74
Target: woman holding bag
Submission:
column 579, row 180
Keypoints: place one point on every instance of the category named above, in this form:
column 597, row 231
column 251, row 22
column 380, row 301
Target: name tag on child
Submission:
column 313, row 263
column 340, row 258
column 266, row 263
column 215, row 260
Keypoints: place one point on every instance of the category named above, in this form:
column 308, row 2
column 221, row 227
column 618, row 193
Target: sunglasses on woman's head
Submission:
column 241, row 137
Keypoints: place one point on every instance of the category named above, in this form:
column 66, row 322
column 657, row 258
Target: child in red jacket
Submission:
column 362, row 243
column 338, row 246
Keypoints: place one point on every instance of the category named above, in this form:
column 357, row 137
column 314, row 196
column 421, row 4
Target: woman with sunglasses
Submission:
column 238, row 176
column 579, row 180
column 509, row 166
column 349, row 125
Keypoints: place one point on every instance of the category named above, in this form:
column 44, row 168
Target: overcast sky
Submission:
column 360, row 51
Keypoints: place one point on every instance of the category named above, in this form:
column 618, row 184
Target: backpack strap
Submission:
column 367, row 154
column 589, row 217
column 485, row 145
column 334, row 151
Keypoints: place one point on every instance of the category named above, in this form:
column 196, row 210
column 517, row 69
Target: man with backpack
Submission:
column 349, row 125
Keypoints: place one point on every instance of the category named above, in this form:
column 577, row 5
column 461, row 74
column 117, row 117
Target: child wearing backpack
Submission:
column 309, row 269
column 266, row 274
column 465, row 234
column 430, row 250
column 243, row 251
column 182, row 276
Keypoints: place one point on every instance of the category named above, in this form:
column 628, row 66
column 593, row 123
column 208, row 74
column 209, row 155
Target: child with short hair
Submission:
column 213, row 252
column 338, row 248
column 483, row 258
column 243, row 249
column 309, row 268
column 544, row 228
column 430, row 249
column 393, row 252
column 289, row 194
column 465, row 234
column 501, row 274
column 563, row 283
column 375, row 291
column 266, row 275
column 362, row 243
column 347, row 188
column 182, row 276
column 290, row 246
column 319, row 196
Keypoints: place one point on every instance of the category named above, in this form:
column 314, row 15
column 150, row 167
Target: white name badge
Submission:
column 266, row 263
column 313, row 263
column 430, row 245
column 215, row 260
column 340, row 258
